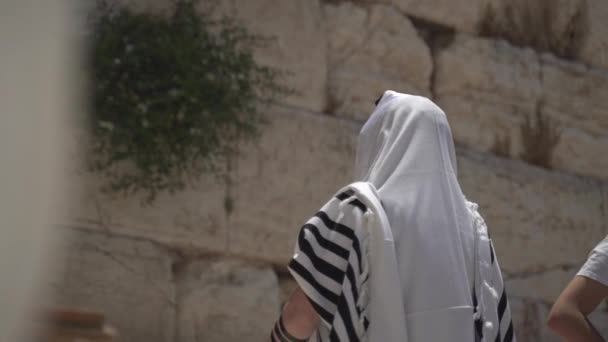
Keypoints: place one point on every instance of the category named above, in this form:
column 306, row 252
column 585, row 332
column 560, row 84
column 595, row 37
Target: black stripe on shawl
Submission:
column 358, row 204
column 492, row 252
column 350, row 274
column 502, row 305
column 308, row 277
column 344, row 230
column 325, row 243
column 344, row 195
column 344, row 312
column 509, row 334
column 322, row 266
column 478, row 322
column 333, row 337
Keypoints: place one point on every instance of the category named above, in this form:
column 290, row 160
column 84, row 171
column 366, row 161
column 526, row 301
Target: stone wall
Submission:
column 186, row 269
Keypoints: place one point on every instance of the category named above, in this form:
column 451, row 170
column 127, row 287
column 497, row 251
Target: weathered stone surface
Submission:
column 372, row 49
column 544, row 286
column 461, row 15
column 194, row 219
column 595, row 46
column 288, row 285
column 574, row 96
column 278, row 182
column 527, row 322
column 129, row 280
column 556, row 26
column 298, row 43
column 538, row 219
column 489, row 88
column 486, row 88
column 225, row 301
column 282, row 180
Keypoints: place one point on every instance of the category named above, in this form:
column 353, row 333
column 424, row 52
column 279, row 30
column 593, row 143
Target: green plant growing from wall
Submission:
column 173, row 94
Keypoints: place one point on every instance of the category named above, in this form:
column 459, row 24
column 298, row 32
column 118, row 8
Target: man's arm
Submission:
column 298, row 321
column 568, row 317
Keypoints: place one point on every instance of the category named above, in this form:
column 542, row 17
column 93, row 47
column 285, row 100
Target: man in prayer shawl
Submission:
column 399, row 255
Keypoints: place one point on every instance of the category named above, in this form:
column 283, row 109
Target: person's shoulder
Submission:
column 596, row 265
column 602, row 247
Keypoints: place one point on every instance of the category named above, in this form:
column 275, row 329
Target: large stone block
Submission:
column 574, row 97
column 544, row 286
column 192, row 220
column 595, row 47
column 372, row 49
column 277, row 183
column 490, row 88
column 460, row 15
column 128, row 280
column 297, row 43
column 283, row 179
column 527, row 322
column 225, row 301
column 556, row 26
column 486, row 88
column 539, row 220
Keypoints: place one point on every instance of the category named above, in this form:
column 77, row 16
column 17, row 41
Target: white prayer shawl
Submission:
column 493, row 320
column 406, row 151
column 407, row 225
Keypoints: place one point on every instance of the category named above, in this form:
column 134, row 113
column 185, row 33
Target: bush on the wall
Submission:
column 172, row 95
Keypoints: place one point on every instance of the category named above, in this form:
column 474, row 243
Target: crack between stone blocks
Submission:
column 134, row 271
column 417, row 22
column 540, row 271
column 436, row 37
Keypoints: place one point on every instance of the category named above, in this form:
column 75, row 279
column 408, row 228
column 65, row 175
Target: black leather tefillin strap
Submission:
column 282, row 334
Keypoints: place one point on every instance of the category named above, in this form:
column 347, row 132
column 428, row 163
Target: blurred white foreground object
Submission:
column 36, row 67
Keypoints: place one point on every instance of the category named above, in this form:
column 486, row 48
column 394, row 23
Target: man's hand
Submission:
column 568, row 317
column 298, row 320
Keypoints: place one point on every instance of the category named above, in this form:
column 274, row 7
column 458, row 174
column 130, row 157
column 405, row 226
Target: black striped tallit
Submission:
column 330, row 266
column 493, row 322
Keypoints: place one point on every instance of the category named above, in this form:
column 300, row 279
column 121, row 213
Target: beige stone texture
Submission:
column 537, row 219
column 372, row 49
column 544, row 286
column 595, row 48
column 278, row 182
column 288, row 286
column 460, row 15
column 527, row 322
column 129, row 280
column 300, row 161
column 297, row 43
column 575, row 98
column 488, row 88
column 192, row 220
column 225, row 301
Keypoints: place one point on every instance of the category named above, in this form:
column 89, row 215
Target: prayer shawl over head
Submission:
column 401, row 255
